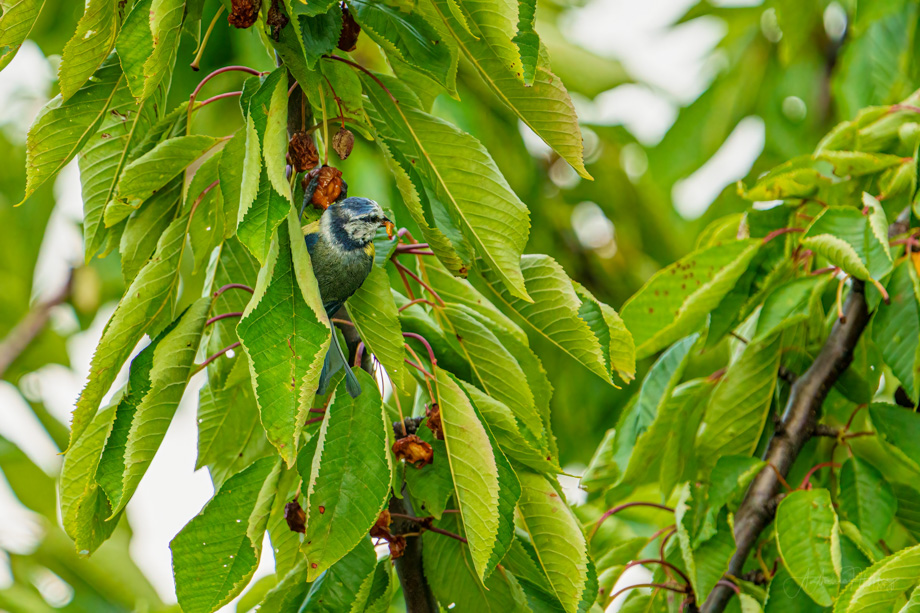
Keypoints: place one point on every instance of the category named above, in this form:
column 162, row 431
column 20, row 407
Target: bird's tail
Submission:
column 335, row 360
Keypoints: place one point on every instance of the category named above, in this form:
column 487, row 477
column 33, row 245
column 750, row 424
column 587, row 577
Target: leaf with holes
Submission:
column 808, row 539
column 350, row 476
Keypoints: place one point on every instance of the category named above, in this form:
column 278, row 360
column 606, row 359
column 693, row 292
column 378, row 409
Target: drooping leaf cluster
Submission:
column 453, row 342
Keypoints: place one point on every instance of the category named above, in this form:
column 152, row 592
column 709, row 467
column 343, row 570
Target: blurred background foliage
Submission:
column 786, row 69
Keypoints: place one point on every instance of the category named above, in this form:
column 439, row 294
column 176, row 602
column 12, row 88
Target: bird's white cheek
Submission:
column 360, row 231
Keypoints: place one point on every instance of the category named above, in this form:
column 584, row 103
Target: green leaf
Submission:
column 881, row 586
column 102, row 159
column 230, row 173
column 284, row 333
column 545, row 106
column 851, row 240
column 554, row 312
column 16, row 21
column 490, row 215
column 257, row 227
column 408, row 37
column 61, row 129
column 913, row 604
column 794, row 179
column 89, row 46
column 473, row 468
column 494, row 367
column 319, row 34
column 514, row 440
column 150, row 295
column 556, row 536
column 431, row 486
column 334, row 591
column 790, row 304
column 908, row 505
column 373, row 311
column 216, row 554
column 896, row 327
column 677, row 299
column 30, row 484
column 866, row 498
column 412, row 191
column 145, row 226
column 808, row 539
column 740, row 403
column 460, row 291
column 784, row 596
column 350, row 476
column 146, row 175
column 527, row 40
column 899, row 428
column 148, row 42
column 858, row 163
column 449, row 568
column 172, row 365
column 84, row 506
column 230, row 435
column 646, row 428
column 611, row 332
column 289, row 593
column 706, row 560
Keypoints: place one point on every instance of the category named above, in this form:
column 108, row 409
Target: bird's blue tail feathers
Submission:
column 335, row 359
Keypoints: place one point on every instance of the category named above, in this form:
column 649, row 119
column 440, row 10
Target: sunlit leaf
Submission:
column 90, row 44
column 15, row 24
column 374, row 314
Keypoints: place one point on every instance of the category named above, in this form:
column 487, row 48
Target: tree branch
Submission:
column 30, row 327
column 797, row 426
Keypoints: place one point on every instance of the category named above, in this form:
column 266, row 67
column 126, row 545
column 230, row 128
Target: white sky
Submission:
column 673, row 64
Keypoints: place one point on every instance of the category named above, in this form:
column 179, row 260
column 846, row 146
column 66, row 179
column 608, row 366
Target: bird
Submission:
column 342, row 251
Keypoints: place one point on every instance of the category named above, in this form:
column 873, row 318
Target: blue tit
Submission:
column 342, row 251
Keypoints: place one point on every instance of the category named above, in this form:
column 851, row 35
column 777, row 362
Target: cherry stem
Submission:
column 857, row 434
column 418, row 367
column 422, row 340
column 416, row 301
column 204, row 41
column 200, row 197
column 627, row 505
column 399, row 266
column 660, row 586
column 904, row 107
column 313, row 420
column 210, row 359
column 344, row 322
column 814, row 469
column 421, row 523
column 245, row 69
column 218, row 97
column 233, row 286
column 222, row 316
column 780, row 476
column 663, row 563
column 853, row 416
column 825, row 270
column 779, row 232
column 414, row 252
column 730, row 585
column 405, row 281
column 411, row 246
column 359, row 354
column 338, row 101
column 318, row 410
column 367, row 72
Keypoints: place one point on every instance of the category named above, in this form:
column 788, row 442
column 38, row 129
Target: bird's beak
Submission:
column 390, row 227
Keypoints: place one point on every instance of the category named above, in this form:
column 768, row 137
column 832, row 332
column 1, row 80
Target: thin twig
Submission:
column 626, row 505
column 230, row 286
column 210, row 359
column 222, row 316
column 401, row 267
column 30, row 326
column 416, row 301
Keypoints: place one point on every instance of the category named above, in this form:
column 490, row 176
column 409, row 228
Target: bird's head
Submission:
column 353, row 222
